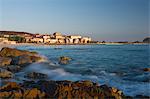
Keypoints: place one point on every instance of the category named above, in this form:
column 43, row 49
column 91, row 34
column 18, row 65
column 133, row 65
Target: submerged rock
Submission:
column 64, row 60
column 35, row 75
column 5, row 73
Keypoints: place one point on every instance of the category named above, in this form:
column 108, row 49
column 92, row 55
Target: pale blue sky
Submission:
column 110, row 20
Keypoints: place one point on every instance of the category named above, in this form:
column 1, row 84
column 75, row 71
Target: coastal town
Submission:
column 11, row 37
column 57, row 38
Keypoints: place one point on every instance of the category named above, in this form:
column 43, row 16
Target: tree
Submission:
column 18, row 39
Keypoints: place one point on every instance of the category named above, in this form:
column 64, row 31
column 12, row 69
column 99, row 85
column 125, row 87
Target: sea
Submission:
column 119, row 66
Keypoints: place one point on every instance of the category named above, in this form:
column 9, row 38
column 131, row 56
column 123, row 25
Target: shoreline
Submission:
column 36, row 44
column 65, row 84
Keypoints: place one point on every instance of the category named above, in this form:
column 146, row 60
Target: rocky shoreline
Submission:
column 13, row 60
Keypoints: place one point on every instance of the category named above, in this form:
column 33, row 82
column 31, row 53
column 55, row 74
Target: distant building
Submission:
column 38, row 35
column 56, row 38
column 58, row 35
column 5, row 41
column 53, row 41
column 85, row 39
column 75, row 36
column 46, row 38
column 74, row 39
column 37, row 40
column 6, row 36
column 146, row 40
column 28, row 39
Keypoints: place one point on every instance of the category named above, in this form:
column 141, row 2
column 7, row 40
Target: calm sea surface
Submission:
column 115, row 65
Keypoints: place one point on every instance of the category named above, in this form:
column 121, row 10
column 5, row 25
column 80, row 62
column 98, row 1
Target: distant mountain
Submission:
column 146, row 40
column 15, row 33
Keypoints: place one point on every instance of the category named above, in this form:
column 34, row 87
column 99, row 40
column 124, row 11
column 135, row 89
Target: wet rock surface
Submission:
column 12, row 68
column 13, row 60
column 62, row 90
column 5, row 73
column 5, row 61
column 35, row 75
column 11, row 52
column 64, row 60
column 10, row 56
column 59, row 89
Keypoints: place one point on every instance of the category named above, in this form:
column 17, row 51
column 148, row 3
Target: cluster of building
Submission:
column 56, row 38
column 6, row 41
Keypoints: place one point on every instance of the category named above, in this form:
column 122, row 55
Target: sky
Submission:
column 109, row 20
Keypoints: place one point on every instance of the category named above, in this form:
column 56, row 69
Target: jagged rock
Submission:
column 13, row 90
column 33, row 93
column 64, row 60
column 18, row 57
column 87, row 83
column 35, row 75
column 5, row 61
column 62, row 89
column 35, row 58
column 5, row 73
column 13, row 68
column 11, row 52
column 23, row 59
column 10, row 86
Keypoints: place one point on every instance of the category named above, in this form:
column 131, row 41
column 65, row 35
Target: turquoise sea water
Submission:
column 119, row 66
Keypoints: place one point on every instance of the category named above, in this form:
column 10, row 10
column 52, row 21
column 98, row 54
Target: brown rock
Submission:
column 5, row 94
column 11, row 52
column 5, row 61
column 33, row 94
column 114, row 89
column 147, row 69
column 35, row 75
column 87, row 83
column 64, row 60
column 12, row 68
column 17, row 57
column 10, row 86
column 60, row 90
column 5, row 73
column 23, row 59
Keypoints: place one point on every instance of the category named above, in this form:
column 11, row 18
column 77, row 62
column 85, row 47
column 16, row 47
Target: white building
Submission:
column 37, row 40
column 85, row 39
column 5, row 41
column 53, row 41
column 75, row 36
